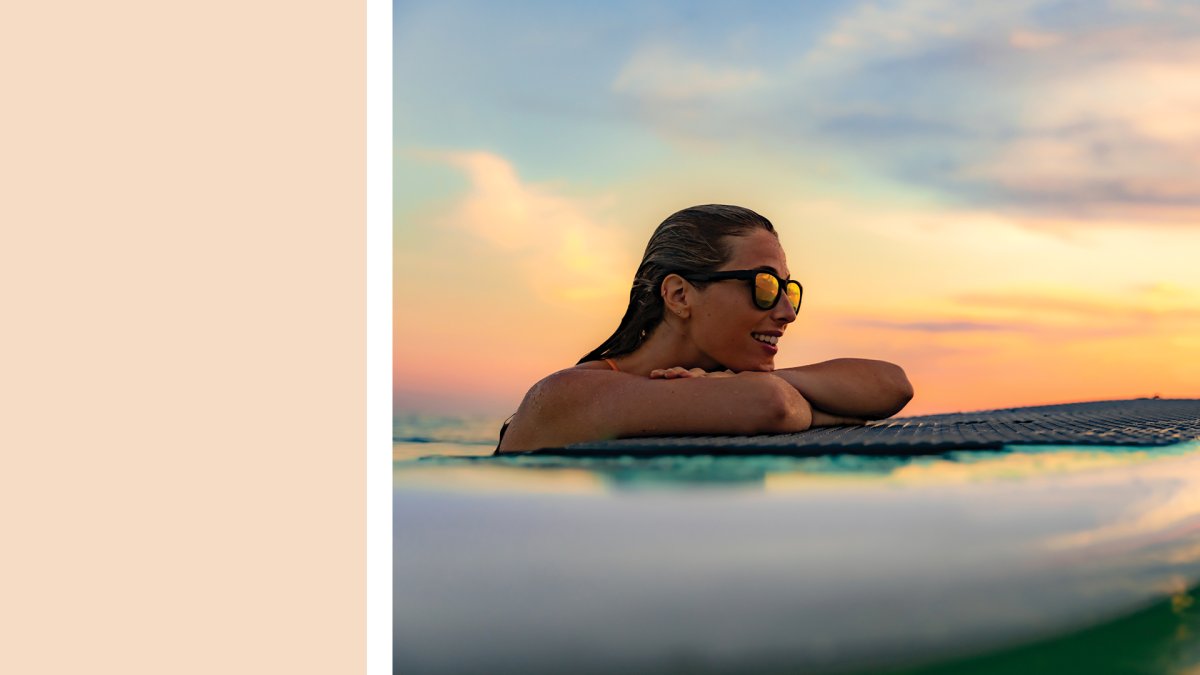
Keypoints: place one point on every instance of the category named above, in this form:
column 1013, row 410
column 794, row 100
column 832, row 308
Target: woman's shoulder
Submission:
column 592, row 365
column 582, row 376
column 553, row 401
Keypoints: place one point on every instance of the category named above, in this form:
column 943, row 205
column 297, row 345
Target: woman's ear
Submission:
column 675, row 293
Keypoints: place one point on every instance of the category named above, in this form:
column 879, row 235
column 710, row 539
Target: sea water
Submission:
column 1029, row 560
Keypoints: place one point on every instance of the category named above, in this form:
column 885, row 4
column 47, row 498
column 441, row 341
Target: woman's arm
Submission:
column 577, row 405
column 862, row 389
column 820, row 418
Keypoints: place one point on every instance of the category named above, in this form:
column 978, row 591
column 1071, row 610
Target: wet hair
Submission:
column 692, row 241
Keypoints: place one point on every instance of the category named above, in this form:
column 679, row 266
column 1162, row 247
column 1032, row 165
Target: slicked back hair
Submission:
column 692, row 241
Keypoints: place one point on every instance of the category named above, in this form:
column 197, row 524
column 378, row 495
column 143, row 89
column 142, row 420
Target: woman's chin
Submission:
column 756, row 360
column 758, row 366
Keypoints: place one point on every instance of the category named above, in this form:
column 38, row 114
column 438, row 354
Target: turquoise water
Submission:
column 1046, row 559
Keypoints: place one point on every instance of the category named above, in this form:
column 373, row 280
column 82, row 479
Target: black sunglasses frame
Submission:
column 751, row 276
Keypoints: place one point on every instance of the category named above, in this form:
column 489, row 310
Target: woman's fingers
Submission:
column 672, row 373
column 680, row 371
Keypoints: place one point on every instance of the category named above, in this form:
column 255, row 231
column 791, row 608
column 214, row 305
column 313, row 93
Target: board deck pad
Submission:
column 1136, row 422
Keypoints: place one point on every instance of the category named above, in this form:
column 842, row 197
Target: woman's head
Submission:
column 696, row 240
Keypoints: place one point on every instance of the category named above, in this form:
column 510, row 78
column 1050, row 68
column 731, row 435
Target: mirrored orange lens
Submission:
column 794, row 294
column 766, row 289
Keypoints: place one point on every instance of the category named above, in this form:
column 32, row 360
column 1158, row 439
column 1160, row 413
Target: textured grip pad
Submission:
column 1138, row 422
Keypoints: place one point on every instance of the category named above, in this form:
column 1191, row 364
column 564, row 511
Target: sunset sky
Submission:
column 1003, row 198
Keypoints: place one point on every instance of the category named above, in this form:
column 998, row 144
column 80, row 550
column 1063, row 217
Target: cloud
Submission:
column 557, row 243
column 1089, row 112
column 1117, row 138
column 1094, row 119
column 1049, row 316
column 1155, row 307
column 663, row 74
column 1028, row 39
column 871, row 31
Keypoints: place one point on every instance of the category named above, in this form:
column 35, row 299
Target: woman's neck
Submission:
column 668, row 346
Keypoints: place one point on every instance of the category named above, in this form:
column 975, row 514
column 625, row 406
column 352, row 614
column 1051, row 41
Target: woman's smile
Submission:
column 729, row 328
column 768, row 338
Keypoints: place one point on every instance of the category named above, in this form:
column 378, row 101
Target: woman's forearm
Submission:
column 853, row 388
column 824, row 419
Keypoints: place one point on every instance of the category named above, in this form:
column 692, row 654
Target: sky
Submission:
column 1003, row 198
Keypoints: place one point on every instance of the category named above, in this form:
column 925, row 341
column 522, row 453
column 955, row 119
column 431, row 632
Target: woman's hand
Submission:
column 679, row 371
column 676, row 373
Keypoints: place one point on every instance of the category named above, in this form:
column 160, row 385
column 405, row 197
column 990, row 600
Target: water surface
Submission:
column 776, row 564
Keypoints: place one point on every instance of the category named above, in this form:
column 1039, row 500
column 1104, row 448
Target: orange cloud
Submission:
column 557, row 243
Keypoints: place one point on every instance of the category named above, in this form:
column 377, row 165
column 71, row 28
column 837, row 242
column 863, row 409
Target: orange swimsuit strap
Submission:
column 612, row 364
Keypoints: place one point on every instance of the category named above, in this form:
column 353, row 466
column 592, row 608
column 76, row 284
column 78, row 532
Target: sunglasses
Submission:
column 765, row 287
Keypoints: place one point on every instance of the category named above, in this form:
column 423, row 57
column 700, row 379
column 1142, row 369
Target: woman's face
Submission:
column 726, row 326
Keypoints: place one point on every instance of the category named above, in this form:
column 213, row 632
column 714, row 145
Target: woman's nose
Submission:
column 783, row 311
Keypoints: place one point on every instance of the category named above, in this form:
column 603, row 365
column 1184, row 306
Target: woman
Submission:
column 695, row 353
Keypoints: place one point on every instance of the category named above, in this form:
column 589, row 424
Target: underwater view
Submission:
column 1031, row 559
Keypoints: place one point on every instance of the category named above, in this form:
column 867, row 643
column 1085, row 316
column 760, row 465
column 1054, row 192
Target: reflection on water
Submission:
column 498, row 478
column 448, row 465
column 1163, row 638
column 413, row 467
column 1162, row 512
column 1046, row 559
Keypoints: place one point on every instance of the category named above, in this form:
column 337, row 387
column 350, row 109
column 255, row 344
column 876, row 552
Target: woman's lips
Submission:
column 768, row 347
